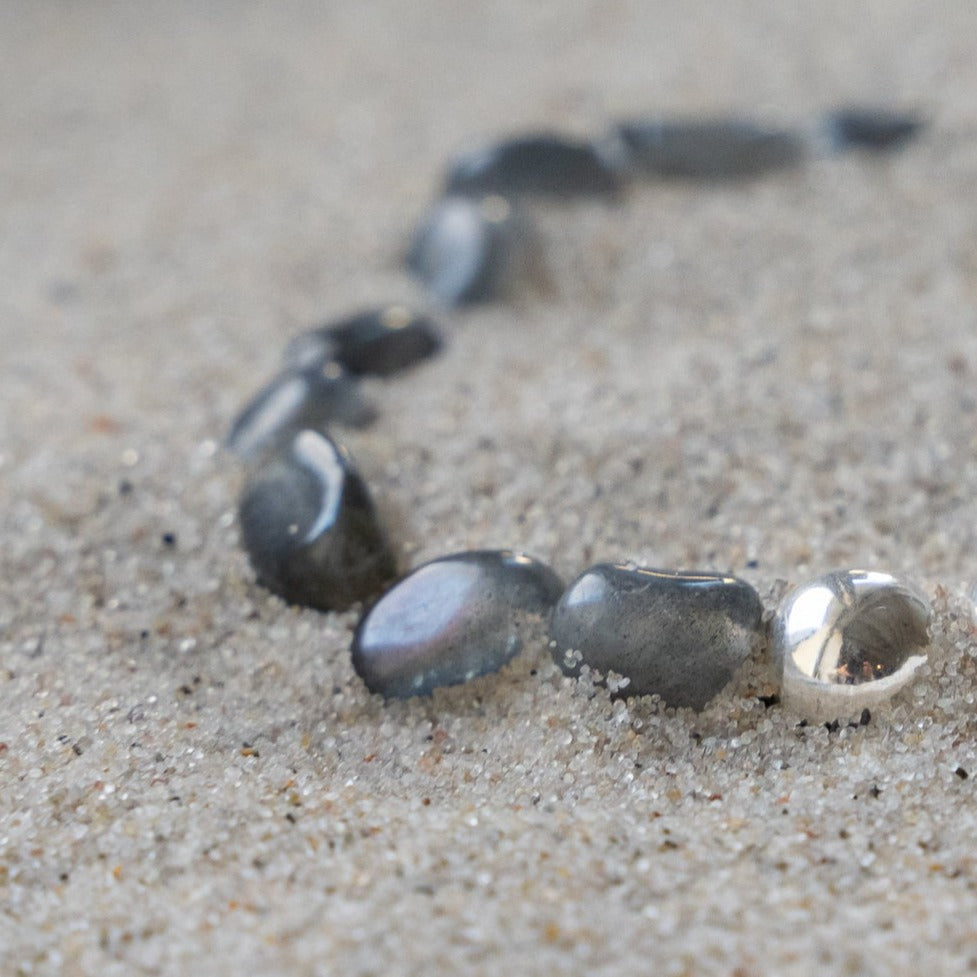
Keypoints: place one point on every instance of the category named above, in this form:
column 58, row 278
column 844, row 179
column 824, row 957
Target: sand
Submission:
column 773, row 378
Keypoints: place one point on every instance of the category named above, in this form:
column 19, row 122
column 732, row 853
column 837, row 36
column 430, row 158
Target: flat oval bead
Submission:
column 709, row 149
column 298, row 398
column 546, row 164
column 310, row 529
column 847, row 641
column 879, row 130
column 677, row 635
column 451, row 620
column 377, row 342
column 469, row 250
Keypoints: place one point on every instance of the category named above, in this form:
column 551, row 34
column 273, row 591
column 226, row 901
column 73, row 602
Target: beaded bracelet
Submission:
column 842, row 642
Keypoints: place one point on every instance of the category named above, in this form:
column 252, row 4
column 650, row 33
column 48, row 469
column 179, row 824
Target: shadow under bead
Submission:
column 681, row 636
column 709, row 149
column 545, row 165
column 378, row 342
column 471, row 250
column 310, row 528
column 451, row 620
column 311, row 397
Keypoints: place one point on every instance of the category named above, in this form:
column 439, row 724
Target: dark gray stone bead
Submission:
column 450, row 620
column 874, row 129
column 470, row 250
column 677, row 635
column 297, row 399
column 378, row 342
column 710, row 149
column 310, row 528
column 536, row 165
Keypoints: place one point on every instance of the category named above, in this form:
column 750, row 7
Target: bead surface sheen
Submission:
column 451, row 620
column 469, row 250
column 677, row 635
column 296, row 399
column 378, row 342
column 848, row 640
column 310, row 529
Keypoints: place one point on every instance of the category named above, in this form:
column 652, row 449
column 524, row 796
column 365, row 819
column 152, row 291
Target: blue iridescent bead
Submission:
column 452, row 619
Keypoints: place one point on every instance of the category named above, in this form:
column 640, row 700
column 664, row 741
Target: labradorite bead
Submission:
column 450, row 620
column 878, row 130
column 312, row 397
column 546, row 164
column 377, row 342
column 711, row 149
column 469, row 250
column 677, row 635
column 310, row 528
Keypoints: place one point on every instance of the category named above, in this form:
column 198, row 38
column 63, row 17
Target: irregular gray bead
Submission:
column 879, row 130
column 545, row 164
column 377, row 342
column 847, row 641
column 677, row 635
column 298, row 398
column 470, row 250
column 450, row 620
column 310, row 529
column 709, row 149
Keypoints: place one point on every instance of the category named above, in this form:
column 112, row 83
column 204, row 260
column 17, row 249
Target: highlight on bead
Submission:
column 848, row 641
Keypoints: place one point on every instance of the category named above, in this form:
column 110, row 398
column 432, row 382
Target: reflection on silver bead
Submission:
column 847, row 641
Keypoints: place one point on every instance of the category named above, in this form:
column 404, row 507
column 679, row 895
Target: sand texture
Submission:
column 774, row 378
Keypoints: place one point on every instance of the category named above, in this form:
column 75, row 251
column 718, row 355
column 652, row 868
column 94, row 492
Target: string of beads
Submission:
column 844, row 641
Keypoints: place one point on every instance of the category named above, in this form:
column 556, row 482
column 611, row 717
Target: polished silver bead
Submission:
column 847, row 641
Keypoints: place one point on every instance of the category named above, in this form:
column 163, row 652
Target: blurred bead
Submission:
column 310, row 528
column 450, row 620
column 379, row 342
column 470, row 250
column 677, row 635
column 847, row 641
column 308, row 398
column 712, row 149
column 874, row 129
column 546, row 164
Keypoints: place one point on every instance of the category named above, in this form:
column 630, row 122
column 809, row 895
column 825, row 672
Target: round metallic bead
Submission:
column 848, row 641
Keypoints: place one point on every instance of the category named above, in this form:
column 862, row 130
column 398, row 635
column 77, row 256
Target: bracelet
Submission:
column 843, row 642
